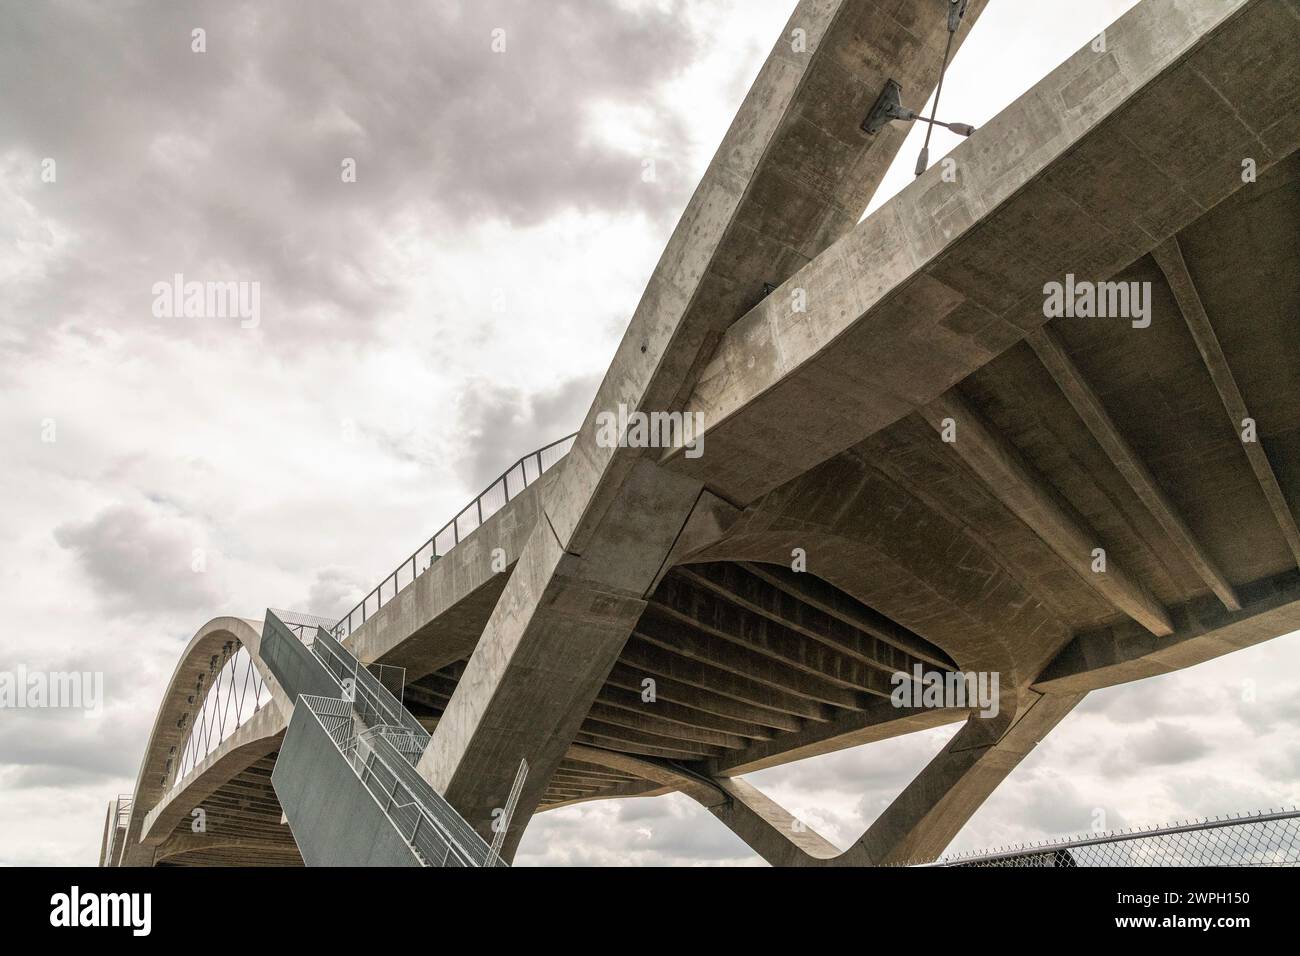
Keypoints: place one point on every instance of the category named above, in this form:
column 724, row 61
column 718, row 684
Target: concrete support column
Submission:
column 924, row 818
column 770, row 830
column 551, row 641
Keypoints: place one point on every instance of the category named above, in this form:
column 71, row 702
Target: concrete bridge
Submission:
column 907, row 464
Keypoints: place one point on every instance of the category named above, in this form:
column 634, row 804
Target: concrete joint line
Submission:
column 556, row 536
column 702, row 778
column 645, row 596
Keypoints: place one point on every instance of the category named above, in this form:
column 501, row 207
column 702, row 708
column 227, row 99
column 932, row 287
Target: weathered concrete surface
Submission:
column 759, row 210
column 768, row 828
column 548, row 647
column 1204, row 631
column 167, row 738
column 925, row 817
column 827, row 445
column 792, row 175
column 438, row 618
column 1085, row 173
column 259, row 736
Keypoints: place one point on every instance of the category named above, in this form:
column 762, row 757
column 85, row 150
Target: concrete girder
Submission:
column 712, row 671
column 259, row 736
column 1169, row 257
column 733, row 583
column 787, row 672
column 695, row 696
column 1003, row 469
column 1204, row 630
column 759, row 212
column 437, row 619
column 665, row 710
column 709, row 612
column 792, row 174
column 946, row 276
column 807, row 589
column 1051, row 352
column 168, row 738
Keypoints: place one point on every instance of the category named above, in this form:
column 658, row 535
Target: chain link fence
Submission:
column 1259, row 839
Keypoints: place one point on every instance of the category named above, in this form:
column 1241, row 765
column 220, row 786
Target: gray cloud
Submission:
column 334, row 592
column 138, row 562
column 1168, row 744
column 47, row 748
column 502, row 420
column 652, row 831
column 226, row 164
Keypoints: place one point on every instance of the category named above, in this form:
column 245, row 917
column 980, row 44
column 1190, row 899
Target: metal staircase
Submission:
column 346, row 775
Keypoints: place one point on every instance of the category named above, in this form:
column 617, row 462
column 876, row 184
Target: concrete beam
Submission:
column 698, row 788
column 150, row 787
column 697, row 698
column 705, row 611
column 1204, row 630
column 1169, row 256
column 809, row 590
column 719, row 679
column 664, row 710
column 437, row 619
column 768, row 828
column 732, row 583
column 1051, row 352
column 1083, row 174
column 880, row 721
column 922, row 821
column 925, row 817
column 620, row 734
column 547, row 649
column 687, row 642
column 1015, row 483
column 793, row 173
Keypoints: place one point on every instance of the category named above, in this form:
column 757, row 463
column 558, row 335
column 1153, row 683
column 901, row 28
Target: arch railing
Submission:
column 492, row 499
column 232, row 691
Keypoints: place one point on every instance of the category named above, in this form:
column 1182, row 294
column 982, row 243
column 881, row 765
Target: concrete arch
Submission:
column 168, row 736
column 259, row 736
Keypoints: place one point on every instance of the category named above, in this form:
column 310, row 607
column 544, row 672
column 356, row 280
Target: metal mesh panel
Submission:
column 439, row 836
column 1261, row 839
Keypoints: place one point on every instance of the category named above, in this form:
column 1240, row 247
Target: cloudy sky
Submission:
column 419, row 329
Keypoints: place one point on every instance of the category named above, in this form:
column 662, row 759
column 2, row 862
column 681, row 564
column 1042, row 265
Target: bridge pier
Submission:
column 924, row 818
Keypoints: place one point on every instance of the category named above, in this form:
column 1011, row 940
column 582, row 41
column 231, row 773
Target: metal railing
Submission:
column 502, row 825
column 433, row 829
column 119, row 819
column 1258, row 839
column 374, row 702
column 492, row 499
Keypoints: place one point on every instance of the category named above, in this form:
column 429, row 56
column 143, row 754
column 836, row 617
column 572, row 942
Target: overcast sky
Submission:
column 420, row 328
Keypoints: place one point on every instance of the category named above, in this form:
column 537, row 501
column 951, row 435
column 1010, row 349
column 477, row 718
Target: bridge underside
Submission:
column 240, row 826
column 922, row 471
column 920, row 552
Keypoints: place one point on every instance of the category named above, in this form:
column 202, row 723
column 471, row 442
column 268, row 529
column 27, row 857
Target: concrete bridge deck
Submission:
column 941, row 463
